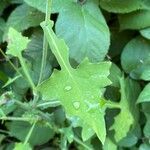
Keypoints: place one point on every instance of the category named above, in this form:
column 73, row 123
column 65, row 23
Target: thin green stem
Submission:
column 81, row 143
column 45, row 42
column 49, row 104
column 26, row 72
column 7, row 59
column 29, row 134
column 15, row 119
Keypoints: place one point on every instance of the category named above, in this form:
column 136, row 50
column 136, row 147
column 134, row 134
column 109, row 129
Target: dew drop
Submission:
column 68, row 88
column 76, row 104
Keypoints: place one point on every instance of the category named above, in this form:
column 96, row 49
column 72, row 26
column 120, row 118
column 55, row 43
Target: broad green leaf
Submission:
column 40, row 135
column 144, row 147
column 145, row 33
column 21, row 146
column 128, row 114
column 135, row 20
column 109, row 145
column 16, row 43
column 135, row 58
column 144, row 95
column 119, row 6
column 57, row 5
column 85, row 31
column 79, row 90
column 24, row 17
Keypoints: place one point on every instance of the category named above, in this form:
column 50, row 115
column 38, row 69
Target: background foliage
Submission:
column 93, row 91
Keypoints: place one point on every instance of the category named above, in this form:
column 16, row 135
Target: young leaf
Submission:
column 17, row 43
column 125, row 119
column 80, row 89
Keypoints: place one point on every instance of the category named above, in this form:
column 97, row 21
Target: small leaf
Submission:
column 16, row 43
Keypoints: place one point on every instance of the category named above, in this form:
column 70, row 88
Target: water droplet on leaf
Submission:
column 68, row 88
column 76, row 105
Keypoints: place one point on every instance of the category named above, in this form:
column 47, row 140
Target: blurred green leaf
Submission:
column 135, row 20
column 145, row 94
column 118, row 6
column 145, row 33
column 24, row 17
column 135, row 58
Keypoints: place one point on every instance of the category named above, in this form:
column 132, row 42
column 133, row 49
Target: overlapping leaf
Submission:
column 79, row 90
column 135, row 58
column 24, row 17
